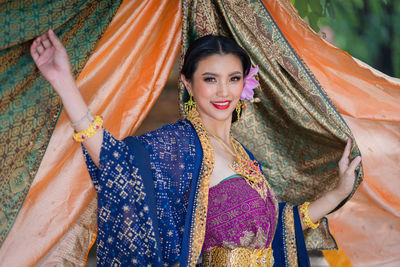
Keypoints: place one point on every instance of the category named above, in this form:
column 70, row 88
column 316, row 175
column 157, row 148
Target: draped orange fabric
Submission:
column 121, row 81
column 367, row 228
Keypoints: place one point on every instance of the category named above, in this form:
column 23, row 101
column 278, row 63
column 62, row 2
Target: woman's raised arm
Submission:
column 347, row 177
column 52, row 60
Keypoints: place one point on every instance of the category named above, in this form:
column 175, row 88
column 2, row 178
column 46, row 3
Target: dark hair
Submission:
column 210, row 45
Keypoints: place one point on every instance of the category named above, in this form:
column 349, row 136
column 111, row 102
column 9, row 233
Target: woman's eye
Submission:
column 236, row 78
column 209, row 79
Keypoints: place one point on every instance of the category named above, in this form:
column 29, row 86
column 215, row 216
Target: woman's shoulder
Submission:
column 169, row 133
column 177, row 128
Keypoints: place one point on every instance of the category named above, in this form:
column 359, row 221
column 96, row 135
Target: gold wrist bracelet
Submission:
column 303, row 208
column 96, row 125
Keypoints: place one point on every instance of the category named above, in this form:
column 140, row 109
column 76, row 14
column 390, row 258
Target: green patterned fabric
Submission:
column 29, row 107
column 295, row 132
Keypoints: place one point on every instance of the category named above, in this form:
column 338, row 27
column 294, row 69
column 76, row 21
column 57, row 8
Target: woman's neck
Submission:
column 221, row 129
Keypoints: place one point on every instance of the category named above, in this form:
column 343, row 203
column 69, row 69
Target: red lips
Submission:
column 221, row 104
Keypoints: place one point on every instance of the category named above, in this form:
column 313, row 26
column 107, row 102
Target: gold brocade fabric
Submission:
column 288, row 233
column 295, row 132
column 238, row 257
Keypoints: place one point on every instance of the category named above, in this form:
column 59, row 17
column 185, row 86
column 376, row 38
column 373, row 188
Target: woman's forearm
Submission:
column 77, row 109
column 322, row 206
column 72, row 100
column 347, row 177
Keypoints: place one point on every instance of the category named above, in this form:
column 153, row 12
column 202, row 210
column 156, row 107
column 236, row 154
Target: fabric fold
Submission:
column 366, row 228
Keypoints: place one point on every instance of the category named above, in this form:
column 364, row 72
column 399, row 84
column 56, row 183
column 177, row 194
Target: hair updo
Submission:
column 211, row 45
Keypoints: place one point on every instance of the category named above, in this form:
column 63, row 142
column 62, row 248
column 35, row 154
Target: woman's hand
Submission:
column 347, row 175
column 52, row 60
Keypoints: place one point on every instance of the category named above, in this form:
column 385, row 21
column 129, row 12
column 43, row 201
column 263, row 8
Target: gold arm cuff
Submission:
column 303, row 208
column 96, row 125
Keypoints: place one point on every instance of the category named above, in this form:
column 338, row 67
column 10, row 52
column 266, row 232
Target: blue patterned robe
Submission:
column 146, row 192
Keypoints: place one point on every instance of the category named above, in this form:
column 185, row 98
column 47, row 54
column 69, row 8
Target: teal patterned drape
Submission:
column 29, row 107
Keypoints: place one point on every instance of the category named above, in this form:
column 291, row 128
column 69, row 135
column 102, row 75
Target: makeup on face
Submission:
column 216, row 87
column 215, row 78
column 221, row 104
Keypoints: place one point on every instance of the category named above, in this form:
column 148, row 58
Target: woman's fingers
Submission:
column 344, row 161
column 54, row 40
column 37, row 46
column 353, row 165
column 40, row 48
column 347, row 149
column 34, row 53
column 45, row 41
column 344, row 164
column 36, row 49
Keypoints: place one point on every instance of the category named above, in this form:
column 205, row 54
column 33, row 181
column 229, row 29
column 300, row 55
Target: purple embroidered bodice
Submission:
column 238, row 217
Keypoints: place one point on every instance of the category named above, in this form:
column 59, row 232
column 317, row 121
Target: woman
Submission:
column 188, row 187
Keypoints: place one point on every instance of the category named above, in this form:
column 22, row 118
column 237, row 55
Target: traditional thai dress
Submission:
column 242, row 228
column 239, row 222
column 152, row 204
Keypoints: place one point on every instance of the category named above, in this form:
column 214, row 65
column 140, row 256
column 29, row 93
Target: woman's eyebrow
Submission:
column 215, row 74
column 235, row 73
column 209, row 74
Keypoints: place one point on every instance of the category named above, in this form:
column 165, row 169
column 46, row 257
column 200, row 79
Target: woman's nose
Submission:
column 222, row 89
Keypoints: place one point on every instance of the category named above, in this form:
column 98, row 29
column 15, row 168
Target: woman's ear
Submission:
column 187, row 83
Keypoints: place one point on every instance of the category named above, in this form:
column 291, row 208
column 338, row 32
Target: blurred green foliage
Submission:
column 367, row 29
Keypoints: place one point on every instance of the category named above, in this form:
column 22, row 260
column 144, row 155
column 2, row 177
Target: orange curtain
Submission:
column 367, row 228
column 121, row 81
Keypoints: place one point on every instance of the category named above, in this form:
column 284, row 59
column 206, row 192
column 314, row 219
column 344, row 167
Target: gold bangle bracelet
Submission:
column 96, row 125
column 303, row 208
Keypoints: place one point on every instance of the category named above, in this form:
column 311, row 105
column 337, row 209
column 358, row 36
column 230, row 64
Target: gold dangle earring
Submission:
column 238, row 109
column 189, row 106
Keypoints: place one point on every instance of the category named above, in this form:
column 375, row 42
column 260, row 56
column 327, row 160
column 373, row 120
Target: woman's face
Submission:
column 216, row 86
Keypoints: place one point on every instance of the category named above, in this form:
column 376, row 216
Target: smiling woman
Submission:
column 216, row 87
column 188, row 188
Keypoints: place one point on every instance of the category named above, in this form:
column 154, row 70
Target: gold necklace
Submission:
column 223, row 143
column 242, row 165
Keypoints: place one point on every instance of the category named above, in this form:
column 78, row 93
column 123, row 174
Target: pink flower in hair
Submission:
column 250, row 83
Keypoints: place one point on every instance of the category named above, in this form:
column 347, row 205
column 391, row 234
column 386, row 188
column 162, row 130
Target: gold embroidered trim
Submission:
column 197, row 231
column 289, row 236
column 238, row 257
column 261, row 188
